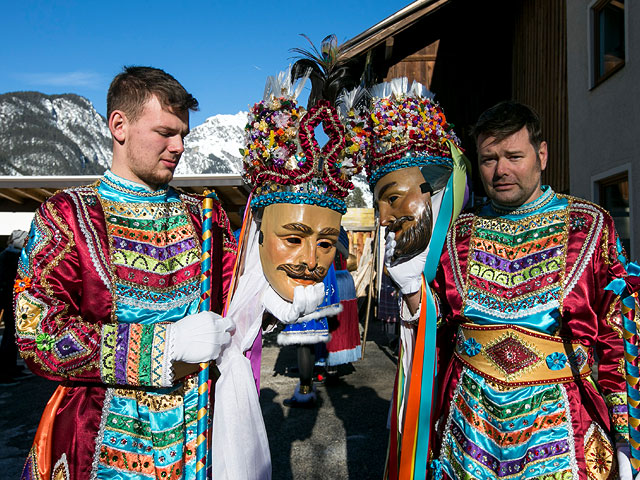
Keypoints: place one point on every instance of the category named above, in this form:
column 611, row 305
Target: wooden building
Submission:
column 474, row 54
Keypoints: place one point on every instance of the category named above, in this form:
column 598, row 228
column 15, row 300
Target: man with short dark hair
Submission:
column 522, row 284
column 107, row 298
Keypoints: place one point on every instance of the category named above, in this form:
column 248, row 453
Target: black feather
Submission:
column 331, row 72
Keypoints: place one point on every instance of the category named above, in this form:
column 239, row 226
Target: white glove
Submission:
column 625, row 472
column 306, row 300
column 408, row 274
column 200, row 337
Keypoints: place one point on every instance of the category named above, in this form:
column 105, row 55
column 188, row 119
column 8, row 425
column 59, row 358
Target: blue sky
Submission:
column 221, row 52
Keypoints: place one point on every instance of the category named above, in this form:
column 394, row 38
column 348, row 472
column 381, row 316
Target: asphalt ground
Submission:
column 345, row 436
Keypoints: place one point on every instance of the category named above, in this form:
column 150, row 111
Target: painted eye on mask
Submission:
column 326, row 244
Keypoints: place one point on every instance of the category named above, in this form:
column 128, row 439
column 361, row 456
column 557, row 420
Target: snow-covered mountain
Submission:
column 214, row 146
column 64, row 135
column 52, row 135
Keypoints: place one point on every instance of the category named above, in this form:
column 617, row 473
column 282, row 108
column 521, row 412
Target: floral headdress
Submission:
column 282, row 159
column 407, row 129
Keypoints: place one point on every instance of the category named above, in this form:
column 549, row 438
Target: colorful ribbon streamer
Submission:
column 205, row 305
column 628, row 288
column 409, row 453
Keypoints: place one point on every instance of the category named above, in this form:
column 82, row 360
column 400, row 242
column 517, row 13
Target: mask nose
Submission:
column 309, row 255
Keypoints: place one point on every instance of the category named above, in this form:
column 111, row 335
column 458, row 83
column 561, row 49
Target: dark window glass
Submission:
column 608, row 35
column 614, row 197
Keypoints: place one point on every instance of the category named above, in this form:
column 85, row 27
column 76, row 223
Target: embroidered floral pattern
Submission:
column 44, row 341
column 21, row 284
column 472, row 347
column 556, row 361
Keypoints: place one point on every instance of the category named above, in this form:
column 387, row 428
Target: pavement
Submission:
column 344, row 437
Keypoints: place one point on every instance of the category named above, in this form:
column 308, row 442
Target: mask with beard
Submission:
column 412, row 239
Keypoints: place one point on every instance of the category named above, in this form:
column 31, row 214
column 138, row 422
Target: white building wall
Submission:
column 604, row 121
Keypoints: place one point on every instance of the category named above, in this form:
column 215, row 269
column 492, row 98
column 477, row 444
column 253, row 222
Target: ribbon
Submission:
column 627, row 288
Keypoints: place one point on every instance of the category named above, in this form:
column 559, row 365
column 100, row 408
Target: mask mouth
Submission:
column 414, row 239
column 301, row 272
column 397, row 225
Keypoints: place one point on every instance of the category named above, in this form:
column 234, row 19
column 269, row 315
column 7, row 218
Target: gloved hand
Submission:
column 623, row 454
column 408, row 274
column 200, row 337
column 306, row 300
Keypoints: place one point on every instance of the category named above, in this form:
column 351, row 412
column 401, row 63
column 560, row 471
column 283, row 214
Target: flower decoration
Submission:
column 282, row 160
column 44, row 342
column 408, row 128
column 556, row 361
column 270, row 135
column 21, row 284
column 472, row 347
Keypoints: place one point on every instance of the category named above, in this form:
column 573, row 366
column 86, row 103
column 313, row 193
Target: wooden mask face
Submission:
column 405, row 209
column 298, row 245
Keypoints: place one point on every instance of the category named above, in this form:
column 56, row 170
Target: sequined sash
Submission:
column 514, row 356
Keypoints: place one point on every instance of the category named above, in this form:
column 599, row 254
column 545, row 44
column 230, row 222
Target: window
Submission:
column 608, row 38
column 613, row 195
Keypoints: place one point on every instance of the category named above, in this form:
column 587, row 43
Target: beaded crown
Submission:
column 282, row 160
column 407, row 129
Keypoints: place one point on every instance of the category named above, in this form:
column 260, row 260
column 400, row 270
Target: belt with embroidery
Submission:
column 514, row 356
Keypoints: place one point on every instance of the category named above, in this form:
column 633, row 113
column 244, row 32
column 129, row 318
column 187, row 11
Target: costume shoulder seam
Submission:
column 577, row 202
column 66, row 192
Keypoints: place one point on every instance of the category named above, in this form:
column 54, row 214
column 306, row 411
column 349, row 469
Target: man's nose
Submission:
column 502, row 167
column 176, row 145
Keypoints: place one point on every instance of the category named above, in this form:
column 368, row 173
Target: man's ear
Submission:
column 117, row 125
column 543, row 155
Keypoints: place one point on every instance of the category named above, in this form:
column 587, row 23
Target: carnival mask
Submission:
column 403, row 198
column 297, row 245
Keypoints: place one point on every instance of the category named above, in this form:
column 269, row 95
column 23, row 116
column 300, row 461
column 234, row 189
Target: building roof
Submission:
column 390, row 26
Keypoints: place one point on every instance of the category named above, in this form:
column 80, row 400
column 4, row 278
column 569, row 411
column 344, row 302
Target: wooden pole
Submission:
column 371, row 287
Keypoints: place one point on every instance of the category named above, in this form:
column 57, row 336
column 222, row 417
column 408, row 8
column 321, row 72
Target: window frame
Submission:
column 595, row 9
column 601, row 178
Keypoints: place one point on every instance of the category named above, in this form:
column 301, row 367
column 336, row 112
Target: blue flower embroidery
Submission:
column 436, row 468
column 556, row 361
column 471, row 347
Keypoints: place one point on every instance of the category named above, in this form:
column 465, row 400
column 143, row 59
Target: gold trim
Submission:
column 540, row 344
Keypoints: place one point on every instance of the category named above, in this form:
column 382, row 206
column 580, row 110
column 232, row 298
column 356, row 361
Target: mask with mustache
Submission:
column 302, row 272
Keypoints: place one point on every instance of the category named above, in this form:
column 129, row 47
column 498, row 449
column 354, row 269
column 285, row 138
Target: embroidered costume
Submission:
column 105, row 269
column 524, row 293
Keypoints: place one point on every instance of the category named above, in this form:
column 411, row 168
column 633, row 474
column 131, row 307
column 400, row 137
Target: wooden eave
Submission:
column 26, row 193
column 391, row 26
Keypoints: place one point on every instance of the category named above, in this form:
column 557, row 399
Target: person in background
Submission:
column 523, row 284
column 9, row 369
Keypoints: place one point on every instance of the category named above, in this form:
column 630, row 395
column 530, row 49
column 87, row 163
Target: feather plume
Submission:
column 284, row 85
column 330, row 71
column 419, row 90
column 354, row 99
column 399, row 86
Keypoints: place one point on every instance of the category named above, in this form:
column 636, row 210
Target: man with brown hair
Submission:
column 107, row 300
column 523, row 287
